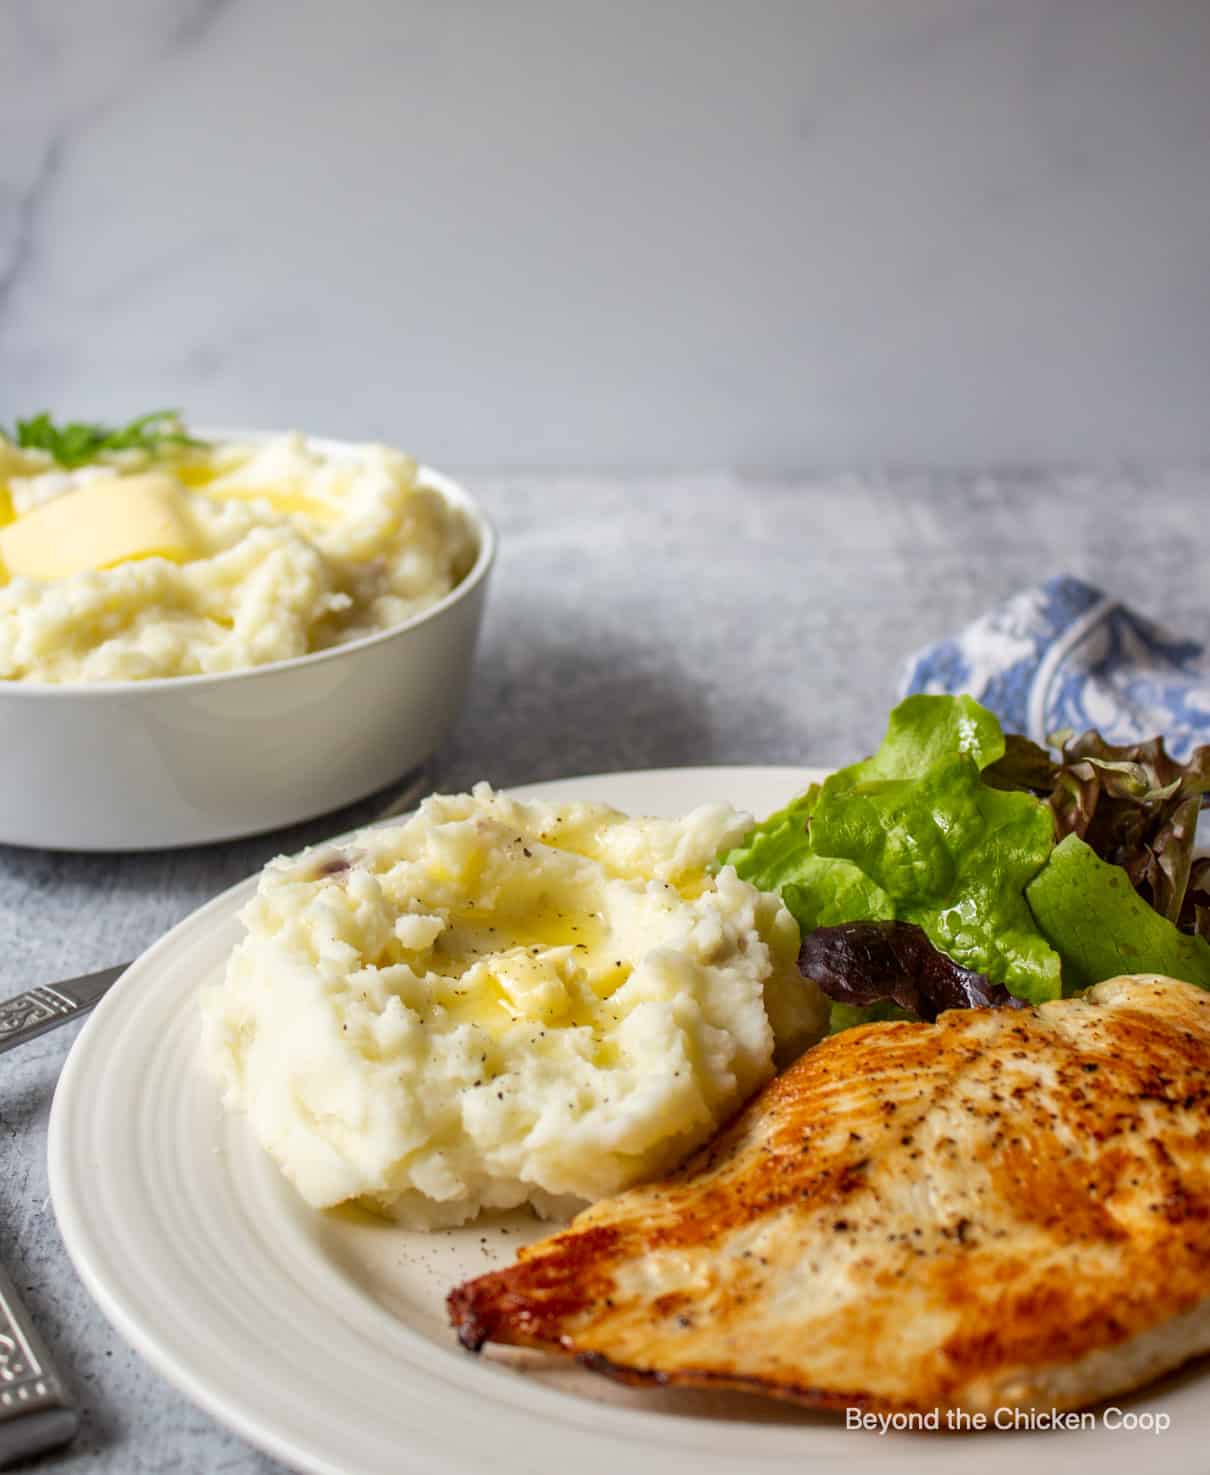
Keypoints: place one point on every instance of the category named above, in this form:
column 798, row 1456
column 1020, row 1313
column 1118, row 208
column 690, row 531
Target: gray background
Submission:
column 632, row 624
column 781, row 233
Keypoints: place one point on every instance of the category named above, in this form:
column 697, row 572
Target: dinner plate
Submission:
column 322, row 1337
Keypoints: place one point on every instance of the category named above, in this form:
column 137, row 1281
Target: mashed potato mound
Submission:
column 502, row 1002
column 290, row 548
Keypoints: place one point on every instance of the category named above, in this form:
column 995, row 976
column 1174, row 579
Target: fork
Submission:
column 36, row 1410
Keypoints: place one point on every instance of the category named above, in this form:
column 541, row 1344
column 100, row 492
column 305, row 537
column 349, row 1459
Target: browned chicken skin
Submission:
column 1007, row 1207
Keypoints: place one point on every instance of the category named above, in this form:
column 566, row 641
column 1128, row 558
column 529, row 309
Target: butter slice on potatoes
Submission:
column 104, row 523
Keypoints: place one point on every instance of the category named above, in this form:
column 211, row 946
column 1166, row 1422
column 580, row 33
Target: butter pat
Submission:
column 104, row 523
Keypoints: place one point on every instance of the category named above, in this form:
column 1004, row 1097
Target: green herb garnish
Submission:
column 80, row 441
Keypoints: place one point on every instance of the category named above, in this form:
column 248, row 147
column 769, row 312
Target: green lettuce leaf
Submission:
column 1100, row 926
column 953, row 855
column 819, row 892
column 775, row 851
column 923, row 731
column 828, row 892
column 912, row 834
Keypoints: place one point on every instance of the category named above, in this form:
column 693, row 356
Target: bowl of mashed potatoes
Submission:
column 504, row 1002
column 207, row 637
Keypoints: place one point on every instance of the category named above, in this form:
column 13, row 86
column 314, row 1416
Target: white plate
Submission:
column 322, row 1337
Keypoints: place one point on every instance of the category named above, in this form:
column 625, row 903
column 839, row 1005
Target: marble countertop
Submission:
column 935, row 231
column 633, row 623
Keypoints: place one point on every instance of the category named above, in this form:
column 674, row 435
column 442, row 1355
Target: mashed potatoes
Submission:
column 504, row 1001
column 219, row 559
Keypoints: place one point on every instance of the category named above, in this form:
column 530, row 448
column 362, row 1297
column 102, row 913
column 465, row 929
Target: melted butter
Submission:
column 519, row 946
column 486, row 930
column 290, row 503
column 577, row 840
column 692, row 885
column 606, row 1056
column 464, row 874
column 689, row 885
column 193, row 474
column 609, row 980
column 484, row 1005
column 552, row 926
column 490, row 1005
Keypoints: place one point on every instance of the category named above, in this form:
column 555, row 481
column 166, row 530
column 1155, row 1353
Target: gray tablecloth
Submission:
column 633, row 623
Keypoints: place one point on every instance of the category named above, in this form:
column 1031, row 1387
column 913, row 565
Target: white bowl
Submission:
column 139, row 765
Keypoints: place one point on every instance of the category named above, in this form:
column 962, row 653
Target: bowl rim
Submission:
column 487, row 539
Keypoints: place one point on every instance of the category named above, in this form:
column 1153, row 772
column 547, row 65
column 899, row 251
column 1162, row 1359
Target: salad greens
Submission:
column 1100, row 925
column 1134, row 804
column 1195, row 913
column 828, row 892
column 953, row 855
column 952, row 828
column 821, row 891
column 912, row 834
column 866, row 964
column 77, row 441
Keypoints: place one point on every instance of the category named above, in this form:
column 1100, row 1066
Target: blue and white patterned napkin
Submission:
column 1067, row 655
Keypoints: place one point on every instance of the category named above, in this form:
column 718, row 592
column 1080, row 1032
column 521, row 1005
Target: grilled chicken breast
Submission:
column 1004, row 1208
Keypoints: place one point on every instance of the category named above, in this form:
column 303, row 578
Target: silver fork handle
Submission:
column 36, row 1411
column 27, row 1015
